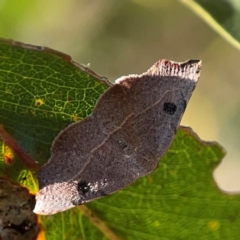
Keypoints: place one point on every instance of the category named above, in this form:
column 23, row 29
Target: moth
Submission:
column 130, row 129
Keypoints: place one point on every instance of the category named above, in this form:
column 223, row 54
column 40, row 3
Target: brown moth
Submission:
column 131, row 128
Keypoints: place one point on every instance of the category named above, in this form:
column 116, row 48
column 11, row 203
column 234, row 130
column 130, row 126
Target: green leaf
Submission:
column 41, row 92
column 223, row 16
column 180, row 200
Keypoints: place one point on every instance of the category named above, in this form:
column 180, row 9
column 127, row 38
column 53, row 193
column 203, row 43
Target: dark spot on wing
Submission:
column 83, row 187
column 169, row 108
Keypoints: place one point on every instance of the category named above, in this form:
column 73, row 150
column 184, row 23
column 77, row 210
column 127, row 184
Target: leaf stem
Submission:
column 98, row 223
column 19, row 151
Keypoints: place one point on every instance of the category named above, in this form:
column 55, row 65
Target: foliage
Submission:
column 42, row 91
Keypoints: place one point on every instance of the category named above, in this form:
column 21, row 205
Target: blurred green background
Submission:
column 117, row 38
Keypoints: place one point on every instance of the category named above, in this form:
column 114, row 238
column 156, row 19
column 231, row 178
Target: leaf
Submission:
column 180, row 200
column 41, row 92
column 223, row 16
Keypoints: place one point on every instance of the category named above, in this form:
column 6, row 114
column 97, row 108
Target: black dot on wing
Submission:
column 83, row 187
column 169, row 108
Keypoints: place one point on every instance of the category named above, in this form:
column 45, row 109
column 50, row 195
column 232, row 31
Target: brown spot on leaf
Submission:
column 39, row 102
column 8, row 155
column 76, row 118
